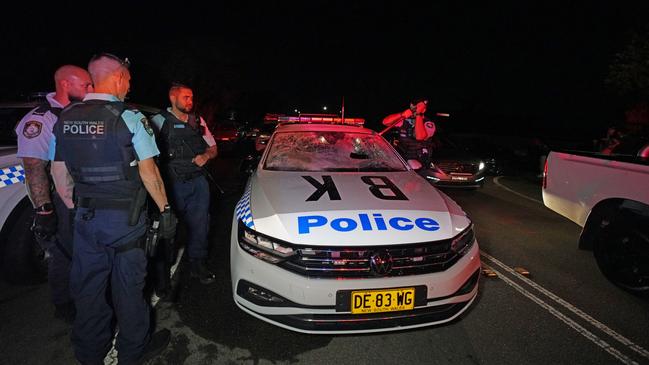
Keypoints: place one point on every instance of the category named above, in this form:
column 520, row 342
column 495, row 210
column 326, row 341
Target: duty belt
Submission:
column 100, row 203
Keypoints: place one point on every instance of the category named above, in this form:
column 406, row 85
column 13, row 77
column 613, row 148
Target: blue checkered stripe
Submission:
column 12, row 175
column 243, row 209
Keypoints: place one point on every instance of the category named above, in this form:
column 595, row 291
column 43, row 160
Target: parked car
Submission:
column 453, row 165
column 607, row 196
column 228, row 134
column 22, row 261
column 336, row 233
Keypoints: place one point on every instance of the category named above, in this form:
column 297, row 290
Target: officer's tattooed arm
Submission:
column 63, row 182
column 38, row 184
column 153, row 182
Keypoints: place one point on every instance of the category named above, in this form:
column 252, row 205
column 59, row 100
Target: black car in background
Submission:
column 453, row 165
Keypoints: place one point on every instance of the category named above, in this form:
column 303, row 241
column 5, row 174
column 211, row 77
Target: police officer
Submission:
column 108, row 150
column 52, row 222
column 186, row 145
column 415, row 131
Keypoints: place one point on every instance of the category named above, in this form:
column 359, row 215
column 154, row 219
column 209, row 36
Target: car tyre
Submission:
column 23, row 261
column 622, row 252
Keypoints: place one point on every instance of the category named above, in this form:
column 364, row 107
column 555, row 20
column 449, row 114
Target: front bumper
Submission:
column 442, row 179
column 309, row 305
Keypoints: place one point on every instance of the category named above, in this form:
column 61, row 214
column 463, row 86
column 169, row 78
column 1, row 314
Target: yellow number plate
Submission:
column 384, row 300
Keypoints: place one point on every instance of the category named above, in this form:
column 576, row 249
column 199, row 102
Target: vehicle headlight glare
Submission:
column 481, row 166
column 462, row 242
column 263, row 247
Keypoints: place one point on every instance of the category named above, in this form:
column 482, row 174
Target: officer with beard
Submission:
column 186, row 145
column 52, row 220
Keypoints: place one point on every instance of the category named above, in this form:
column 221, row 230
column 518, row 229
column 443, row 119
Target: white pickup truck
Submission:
column 609, row 197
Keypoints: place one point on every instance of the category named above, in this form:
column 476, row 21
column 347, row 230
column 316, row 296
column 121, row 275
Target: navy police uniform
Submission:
column 34, row 133
column 101, row 143
column 179, row 142
column 409, row 147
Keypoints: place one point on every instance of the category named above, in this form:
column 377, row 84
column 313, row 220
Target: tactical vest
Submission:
column 97, row 148
column 409, row 147
column 179, row 143
column 46, row 107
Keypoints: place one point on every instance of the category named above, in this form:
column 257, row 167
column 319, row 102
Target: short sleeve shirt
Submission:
column 35, row 131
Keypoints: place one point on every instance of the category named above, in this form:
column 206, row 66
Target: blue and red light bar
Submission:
column 312, row 118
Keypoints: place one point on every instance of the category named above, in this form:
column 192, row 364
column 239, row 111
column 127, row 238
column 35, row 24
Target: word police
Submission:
column 376, row 222
column 84, row 127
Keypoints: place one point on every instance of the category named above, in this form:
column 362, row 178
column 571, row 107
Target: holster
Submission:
column 152, row 239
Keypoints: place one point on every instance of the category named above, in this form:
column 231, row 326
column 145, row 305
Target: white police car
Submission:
column 21, row 258
column 336, row 233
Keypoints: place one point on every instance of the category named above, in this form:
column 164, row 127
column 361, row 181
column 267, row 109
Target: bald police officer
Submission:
column 186, row 145
column 108, row 150
column 52, row 221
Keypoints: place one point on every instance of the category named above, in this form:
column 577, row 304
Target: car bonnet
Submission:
column 360, row 209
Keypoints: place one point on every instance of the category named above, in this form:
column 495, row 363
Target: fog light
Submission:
column 263, row 295
column 259, row 295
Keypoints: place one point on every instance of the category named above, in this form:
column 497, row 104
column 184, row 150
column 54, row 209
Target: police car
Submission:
column 336, row 233
column 21, row 258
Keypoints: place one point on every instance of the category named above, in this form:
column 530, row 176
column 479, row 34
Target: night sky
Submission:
column 499, row 66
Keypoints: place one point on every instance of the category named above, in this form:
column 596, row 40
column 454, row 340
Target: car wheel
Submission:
column 23, row 260
column 622, row 252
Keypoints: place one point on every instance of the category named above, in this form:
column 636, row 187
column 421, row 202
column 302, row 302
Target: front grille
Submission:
column 348, row 262
column 450, row 167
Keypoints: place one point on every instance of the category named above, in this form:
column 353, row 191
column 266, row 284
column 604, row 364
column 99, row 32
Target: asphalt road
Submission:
column 564, row 312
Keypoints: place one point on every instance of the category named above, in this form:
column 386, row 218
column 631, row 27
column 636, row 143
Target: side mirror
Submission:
column 249, row 164
column 260, row 145
column 414, row 164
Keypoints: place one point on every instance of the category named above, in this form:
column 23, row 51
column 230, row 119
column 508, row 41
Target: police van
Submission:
column 22, row 261
column 336, row 233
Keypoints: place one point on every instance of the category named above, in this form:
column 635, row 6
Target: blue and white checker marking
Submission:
column 243, row 209
column 12, row 175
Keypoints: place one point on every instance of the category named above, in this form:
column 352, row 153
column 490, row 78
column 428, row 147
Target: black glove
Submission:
column 168, row 222
column 44, row 225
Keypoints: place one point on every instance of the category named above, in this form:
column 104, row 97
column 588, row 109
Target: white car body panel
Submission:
column 575, row 183
column 11, row 192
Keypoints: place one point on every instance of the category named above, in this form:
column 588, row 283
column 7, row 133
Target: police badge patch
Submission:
column 147, row 126
column 32, row 129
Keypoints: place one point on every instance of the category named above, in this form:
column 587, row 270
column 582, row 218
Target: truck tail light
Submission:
column 545, row 174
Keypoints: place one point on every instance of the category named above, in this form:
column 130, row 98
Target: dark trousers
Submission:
column 96, row 269
column 59, row 250
column 191, row 202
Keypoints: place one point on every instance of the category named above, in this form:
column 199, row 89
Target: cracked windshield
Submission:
column 331, row 151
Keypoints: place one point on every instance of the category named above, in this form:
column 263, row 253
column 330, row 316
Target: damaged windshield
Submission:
column 331, row 151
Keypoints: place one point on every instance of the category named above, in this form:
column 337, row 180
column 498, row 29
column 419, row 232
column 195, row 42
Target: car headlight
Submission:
column 463, row 242
column 481, row 165
column 262, row 246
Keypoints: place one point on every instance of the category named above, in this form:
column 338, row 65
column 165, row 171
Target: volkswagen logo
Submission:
column 381, row 263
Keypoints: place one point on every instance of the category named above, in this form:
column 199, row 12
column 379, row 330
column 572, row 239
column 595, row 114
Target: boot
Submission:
column 159, row 342
column 199, row 270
